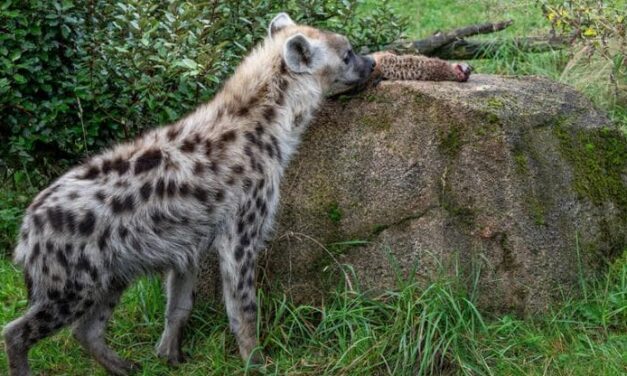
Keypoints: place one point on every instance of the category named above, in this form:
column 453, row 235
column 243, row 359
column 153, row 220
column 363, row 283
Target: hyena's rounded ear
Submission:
column 300, row 55
column 278, row 23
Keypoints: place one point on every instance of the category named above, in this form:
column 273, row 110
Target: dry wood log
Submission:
column 452, row 45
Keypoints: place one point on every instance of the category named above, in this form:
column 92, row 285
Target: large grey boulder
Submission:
column 517, row 180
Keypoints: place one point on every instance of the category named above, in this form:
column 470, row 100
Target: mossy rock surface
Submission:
column 520, row 180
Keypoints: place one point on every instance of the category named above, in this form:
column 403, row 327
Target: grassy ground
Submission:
column 412, row 331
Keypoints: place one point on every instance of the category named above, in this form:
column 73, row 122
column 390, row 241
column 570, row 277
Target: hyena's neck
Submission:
column 262, row 92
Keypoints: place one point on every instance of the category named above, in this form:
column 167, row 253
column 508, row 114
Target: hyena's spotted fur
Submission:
column 417, row 67
column 154, row 205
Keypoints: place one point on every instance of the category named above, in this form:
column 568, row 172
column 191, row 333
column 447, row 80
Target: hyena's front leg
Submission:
column 237, row 266
column 180, row 290
column 416, row 67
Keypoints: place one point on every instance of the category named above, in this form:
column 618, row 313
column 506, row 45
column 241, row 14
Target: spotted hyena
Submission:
column 390, row 66
column 209, row 181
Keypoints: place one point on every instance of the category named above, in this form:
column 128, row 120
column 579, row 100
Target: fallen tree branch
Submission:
column 452, row 45
column 465, row 50
column 428, row 45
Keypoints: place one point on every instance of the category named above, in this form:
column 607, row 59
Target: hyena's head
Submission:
column 324, row 55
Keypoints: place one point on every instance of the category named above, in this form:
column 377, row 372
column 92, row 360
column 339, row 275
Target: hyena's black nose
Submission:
column 370, row 62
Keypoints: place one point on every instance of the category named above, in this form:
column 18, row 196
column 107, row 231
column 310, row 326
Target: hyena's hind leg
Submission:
column 90, row 329
column 237, row 267
column 180, row 292
column 40, row 321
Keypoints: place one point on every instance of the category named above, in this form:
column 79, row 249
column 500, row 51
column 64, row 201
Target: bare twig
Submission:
column 428, row 45
column 452, row 45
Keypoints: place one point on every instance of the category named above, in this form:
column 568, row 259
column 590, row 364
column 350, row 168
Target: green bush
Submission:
column 76, row 76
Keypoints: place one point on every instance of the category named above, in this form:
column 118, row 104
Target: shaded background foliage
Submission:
column 76, row 76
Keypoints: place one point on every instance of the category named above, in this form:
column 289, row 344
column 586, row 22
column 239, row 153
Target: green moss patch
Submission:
column 450, row 141
column 599, row 158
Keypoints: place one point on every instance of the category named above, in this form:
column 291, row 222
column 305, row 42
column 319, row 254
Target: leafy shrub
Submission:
column 599, row 28
column 76, row 76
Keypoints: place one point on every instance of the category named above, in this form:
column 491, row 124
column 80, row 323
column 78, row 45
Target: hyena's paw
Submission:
column 462, row 71
column 173, row 355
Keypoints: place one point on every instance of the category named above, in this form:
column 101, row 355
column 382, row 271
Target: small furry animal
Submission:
column 209, row 181
column 416, row 67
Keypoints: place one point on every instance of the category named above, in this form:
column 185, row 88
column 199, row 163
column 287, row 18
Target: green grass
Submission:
column 411, row 331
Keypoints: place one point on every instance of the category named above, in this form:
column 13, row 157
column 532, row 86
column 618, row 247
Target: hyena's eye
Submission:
column 348, row 56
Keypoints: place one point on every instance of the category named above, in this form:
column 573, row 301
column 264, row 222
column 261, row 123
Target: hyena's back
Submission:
column 142, row 207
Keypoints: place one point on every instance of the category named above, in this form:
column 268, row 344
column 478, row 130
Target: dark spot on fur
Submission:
column 49, row 246
column 62, row 259
column 121, row 166
column 64, row 310
column 269, row 113
column 157, row 217
column 200, row 193
column 252, row 139
column 214, row 166
column 269, row 150
column 188, row 146
column 172, row 133
column 54, row 294
column 247, row 184
column 238, row 169
column 55, row 218
column 72, row 195
column 122, row 231
column 120, row 205
column 100, row 196
column 69, row 249
column 259, row 129
column 70, row 221
column 239, row 253
column 228, row 136
column 106, row 166
column 45, row 316
column 263, row 209
column 35, row 252
column 277, row 149
column 298, row 120
column 244, row 241
column 199, row 168
column 251, row 307
column 184, row 189
column 145, row 191
column 37, row 221
column 171, row 188
column 219, row 195
column 160, row 187
column 91, row 173
column 148, row 160
column 251, row 218
column 240, row 226
column 104, row 238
